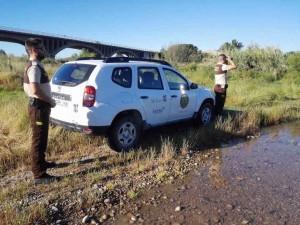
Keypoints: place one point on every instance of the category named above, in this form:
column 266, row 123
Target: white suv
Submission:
column 121, row 96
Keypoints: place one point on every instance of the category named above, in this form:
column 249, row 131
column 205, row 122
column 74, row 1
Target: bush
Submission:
column 233, row 45
column 293, row 62
column 260, row 60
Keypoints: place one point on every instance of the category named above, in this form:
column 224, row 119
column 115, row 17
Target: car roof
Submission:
column 101, row 63
column 91, row 62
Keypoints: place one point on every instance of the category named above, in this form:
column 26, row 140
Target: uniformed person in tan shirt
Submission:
column 37, row 88
column 222, row 67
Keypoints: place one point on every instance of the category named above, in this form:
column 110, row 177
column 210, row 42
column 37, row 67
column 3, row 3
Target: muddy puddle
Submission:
column 254, row 182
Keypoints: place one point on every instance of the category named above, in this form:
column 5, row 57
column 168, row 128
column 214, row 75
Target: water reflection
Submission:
column 295, row 129
column 215, row 169
column 286, row 130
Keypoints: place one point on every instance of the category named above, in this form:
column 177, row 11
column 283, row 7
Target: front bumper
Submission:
column 95, row 130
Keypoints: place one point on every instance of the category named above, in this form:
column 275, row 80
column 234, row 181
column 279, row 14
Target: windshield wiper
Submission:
column 67, row 82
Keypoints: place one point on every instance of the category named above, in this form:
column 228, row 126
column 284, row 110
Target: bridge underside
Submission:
column 54, row 45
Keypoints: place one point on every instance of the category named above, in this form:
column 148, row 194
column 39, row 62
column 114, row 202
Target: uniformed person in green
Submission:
column 36, row 86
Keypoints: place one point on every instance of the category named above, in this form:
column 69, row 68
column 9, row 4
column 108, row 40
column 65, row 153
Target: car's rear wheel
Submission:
column 125, row 133
column 205, row 114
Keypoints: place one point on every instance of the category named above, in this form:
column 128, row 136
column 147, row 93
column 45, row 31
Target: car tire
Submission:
column 205, row 114
column 125, row 133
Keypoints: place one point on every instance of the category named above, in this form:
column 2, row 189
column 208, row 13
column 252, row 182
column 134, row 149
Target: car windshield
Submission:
column 72, row 74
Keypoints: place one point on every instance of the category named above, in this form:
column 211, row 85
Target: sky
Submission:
column 153, row 24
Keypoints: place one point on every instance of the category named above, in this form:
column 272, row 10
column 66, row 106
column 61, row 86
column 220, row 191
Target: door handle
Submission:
column 144, row 97
column 173, row 96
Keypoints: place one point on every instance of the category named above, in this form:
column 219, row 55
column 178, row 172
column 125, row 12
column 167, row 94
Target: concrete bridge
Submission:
column 55, row 43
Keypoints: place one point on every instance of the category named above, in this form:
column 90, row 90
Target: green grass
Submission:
column 270, row 100
column 132, row 194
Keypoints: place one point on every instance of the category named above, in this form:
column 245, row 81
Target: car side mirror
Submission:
column 193, row 86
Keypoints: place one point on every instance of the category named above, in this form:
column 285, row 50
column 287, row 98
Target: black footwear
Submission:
column 50, row 165
column 45, row 179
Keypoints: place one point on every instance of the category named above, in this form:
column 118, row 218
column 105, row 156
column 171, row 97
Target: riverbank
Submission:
column 252, row 182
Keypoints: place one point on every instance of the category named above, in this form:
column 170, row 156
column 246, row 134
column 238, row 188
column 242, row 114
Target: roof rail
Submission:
column 125, row 59
column 105, row 59
column 91, row 58
column 163, row 62
column 116, row 59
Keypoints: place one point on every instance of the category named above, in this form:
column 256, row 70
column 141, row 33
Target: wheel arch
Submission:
column 207, row 100
column 133, row 112
column 197, row 115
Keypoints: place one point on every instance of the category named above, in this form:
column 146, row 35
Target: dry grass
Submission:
column 12, row 212
column 34, row 214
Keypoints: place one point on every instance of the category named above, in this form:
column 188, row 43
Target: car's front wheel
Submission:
column 205, row 114
column 125, row 133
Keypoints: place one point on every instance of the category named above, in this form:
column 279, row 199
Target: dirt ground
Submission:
column 255, row 182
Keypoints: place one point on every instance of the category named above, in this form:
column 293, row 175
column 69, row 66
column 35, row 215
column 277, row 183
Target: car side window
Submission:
column 149, row 78
column 122, row 76
column 175, row 80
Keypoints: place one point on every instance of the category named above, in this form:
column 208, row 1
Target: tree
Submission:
column 2, row 52
column 182, row 53
column 82, row 54
column 234, row 45
column 86, row 53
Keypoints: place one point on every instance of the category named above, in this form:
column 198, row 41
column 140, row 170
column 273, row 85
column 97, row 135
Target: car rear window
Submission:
column 72, row 74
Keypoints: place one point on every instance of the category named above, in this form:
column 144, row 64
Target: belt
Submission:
column 36, row 102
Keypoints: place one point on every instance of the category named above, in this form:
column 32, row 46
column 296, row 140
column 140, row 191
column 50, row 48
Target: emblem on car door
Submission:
column 184, row 101
column 75, row 107
column 164, row 98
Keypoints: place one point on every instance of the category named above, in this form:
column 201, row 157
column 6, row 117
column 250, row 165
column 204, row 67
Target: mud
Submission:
column 254, row 182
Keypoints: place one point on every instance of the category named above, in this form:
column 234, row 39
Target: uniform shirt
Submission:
column 221, row 74
column 35, row 73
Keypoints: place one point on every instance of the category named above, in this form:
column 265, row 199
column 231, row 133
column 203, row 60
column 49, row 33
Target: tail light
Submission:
column 89, row 96
column 87, row 130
